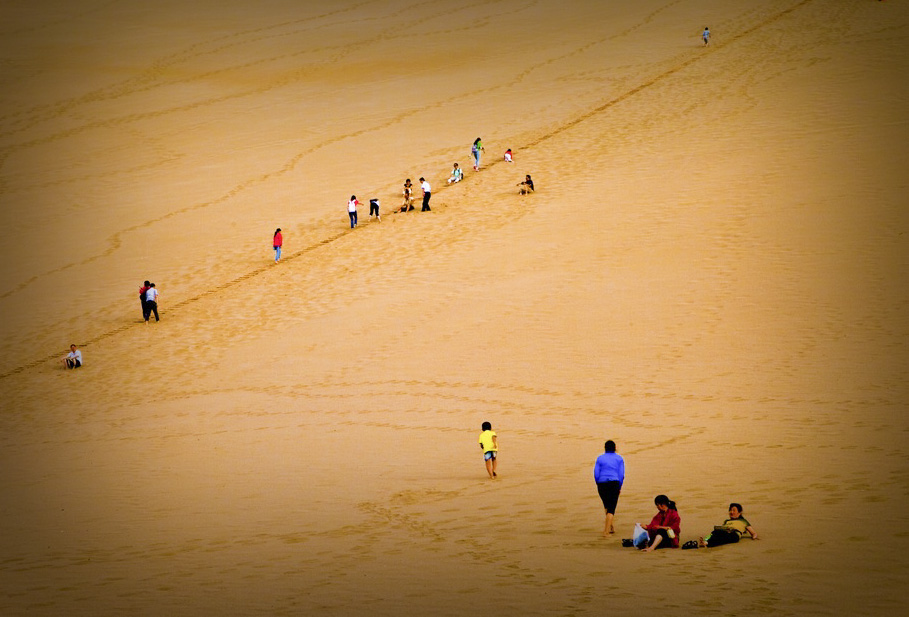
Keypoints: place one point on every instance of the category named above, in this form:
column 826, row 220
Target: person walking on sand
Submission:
column 74, row 358
column 352, row 210
column 609, row 474
column 142, row 291
column 407, row 206
column 277, row 242
column 475, row 151
column 706, row 36
column 151, row 303
column 427, row 194
column 490, row 445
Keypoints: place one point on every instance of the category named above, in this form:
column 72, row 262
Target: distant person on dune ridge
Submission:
column 456, row 174
column 142, row 291
column 526, row 185
column 508, row 156
column 475, row 151
column 151, row 303
column 407, row 206
column 427, row 194
column 706, row 36
column 609, row 475
column 276, row 243
column 74, row 358
column 352, row 210
column 374, row 209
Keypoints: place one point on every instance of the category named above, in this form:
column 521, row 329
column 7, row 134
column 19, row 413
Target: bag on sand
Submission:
column 639, row 537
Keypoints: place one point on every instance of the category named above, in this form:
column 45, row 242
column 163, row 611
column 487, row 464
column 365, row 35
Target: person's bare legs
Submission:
column 608, row 527
column 656, row 543
column 489, row 463
column 495, row 462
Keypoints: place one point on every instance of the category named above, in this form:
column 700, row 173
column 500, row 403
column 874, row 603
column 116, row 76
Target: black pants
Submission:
column 721, row 536
column 149, row 308
column 426, row 197
column 144, row 308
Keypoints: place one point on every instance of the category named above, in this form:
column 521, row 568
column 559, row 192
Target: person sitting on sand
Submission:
column 456, row 174
column 74, row 358
column 407, row 206
column 508, row 156
column 526, row 185
column 732, row 529
column 664, row 529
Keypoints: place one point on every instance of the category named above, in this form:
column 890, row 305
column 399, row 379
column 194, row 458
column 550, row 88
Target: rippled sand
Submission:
column 712, row 273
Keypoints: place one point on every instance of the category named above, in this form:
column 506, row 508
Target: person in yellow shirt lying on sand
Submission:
column 732, row 529
column 490, row 447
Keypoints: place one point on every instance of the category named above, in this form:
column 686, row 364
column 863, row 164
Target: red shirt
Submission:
column 669, row 518
column 142, row 291
column 279, row 239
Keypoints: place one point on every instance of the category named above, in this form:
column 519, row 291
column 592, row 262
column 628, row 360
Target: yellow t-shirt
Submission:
column 486, row 440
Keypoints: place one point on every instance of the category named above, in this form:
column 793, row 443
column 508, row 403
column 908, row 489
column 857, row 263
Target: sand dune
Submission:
column 712, row 273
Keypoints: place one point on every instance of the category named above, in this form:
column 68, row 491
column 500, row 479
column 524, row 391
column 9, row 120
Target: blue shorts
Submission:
column 489, row 455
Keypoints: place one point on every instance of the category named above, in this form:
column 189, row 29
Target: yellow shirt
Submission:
column 487, row 441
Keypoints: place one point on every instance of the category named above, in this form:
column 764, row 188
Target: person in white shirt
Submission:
column 427, row 194
column 74, row 358
column 352, row 210
column 151, row 303
column 706, row 36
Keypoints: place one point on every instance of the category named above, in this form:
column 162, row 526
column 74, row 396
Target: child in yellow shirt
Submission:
column 490, row 447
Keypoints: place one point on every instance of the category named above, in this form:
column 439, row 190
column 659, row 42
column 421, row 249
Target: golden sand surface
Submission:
column 712, row 272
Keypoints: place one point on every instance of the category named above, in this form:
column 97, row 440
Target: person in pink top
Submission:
column 352, row 210
column 664, row 529
column 277, row 243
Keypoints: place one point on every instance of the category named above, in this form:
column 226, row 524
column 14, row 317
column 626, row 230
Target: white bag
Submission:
column 639, row 538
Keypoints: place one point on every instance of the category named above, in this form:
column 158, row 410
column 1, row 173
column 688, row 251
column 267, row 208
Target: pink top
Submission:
column 669, row 518
column 279, row 239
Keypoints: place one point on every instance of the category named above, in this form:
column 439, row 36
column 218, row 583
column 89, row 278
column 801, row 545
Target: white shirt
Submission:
column 352, row 205
column 75, row 355
column 151, row 295
column 425, row 186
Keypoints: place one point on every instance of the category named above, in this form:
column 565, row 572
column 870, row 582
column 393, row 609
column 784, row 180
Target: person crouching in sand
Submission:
column 526, row 185
column 490, row 446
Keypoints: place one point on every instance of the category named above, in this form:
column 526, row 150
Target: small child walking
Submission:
column 490, row 446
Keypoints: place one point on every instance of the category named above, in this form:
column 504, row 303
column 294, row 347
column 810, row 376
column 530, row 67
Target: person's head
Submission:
column 277, row 231
column 422, row 179
column 486, row 426
column 407, row 181
column 151, row 284
column 735, row 510
column 72, row 347
column 476, row 141
column 527, row 177
column 147, row 283
column 353, row 198
column 610, row 446
column 508, row 151
column 663, row 503
column 455, row 165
